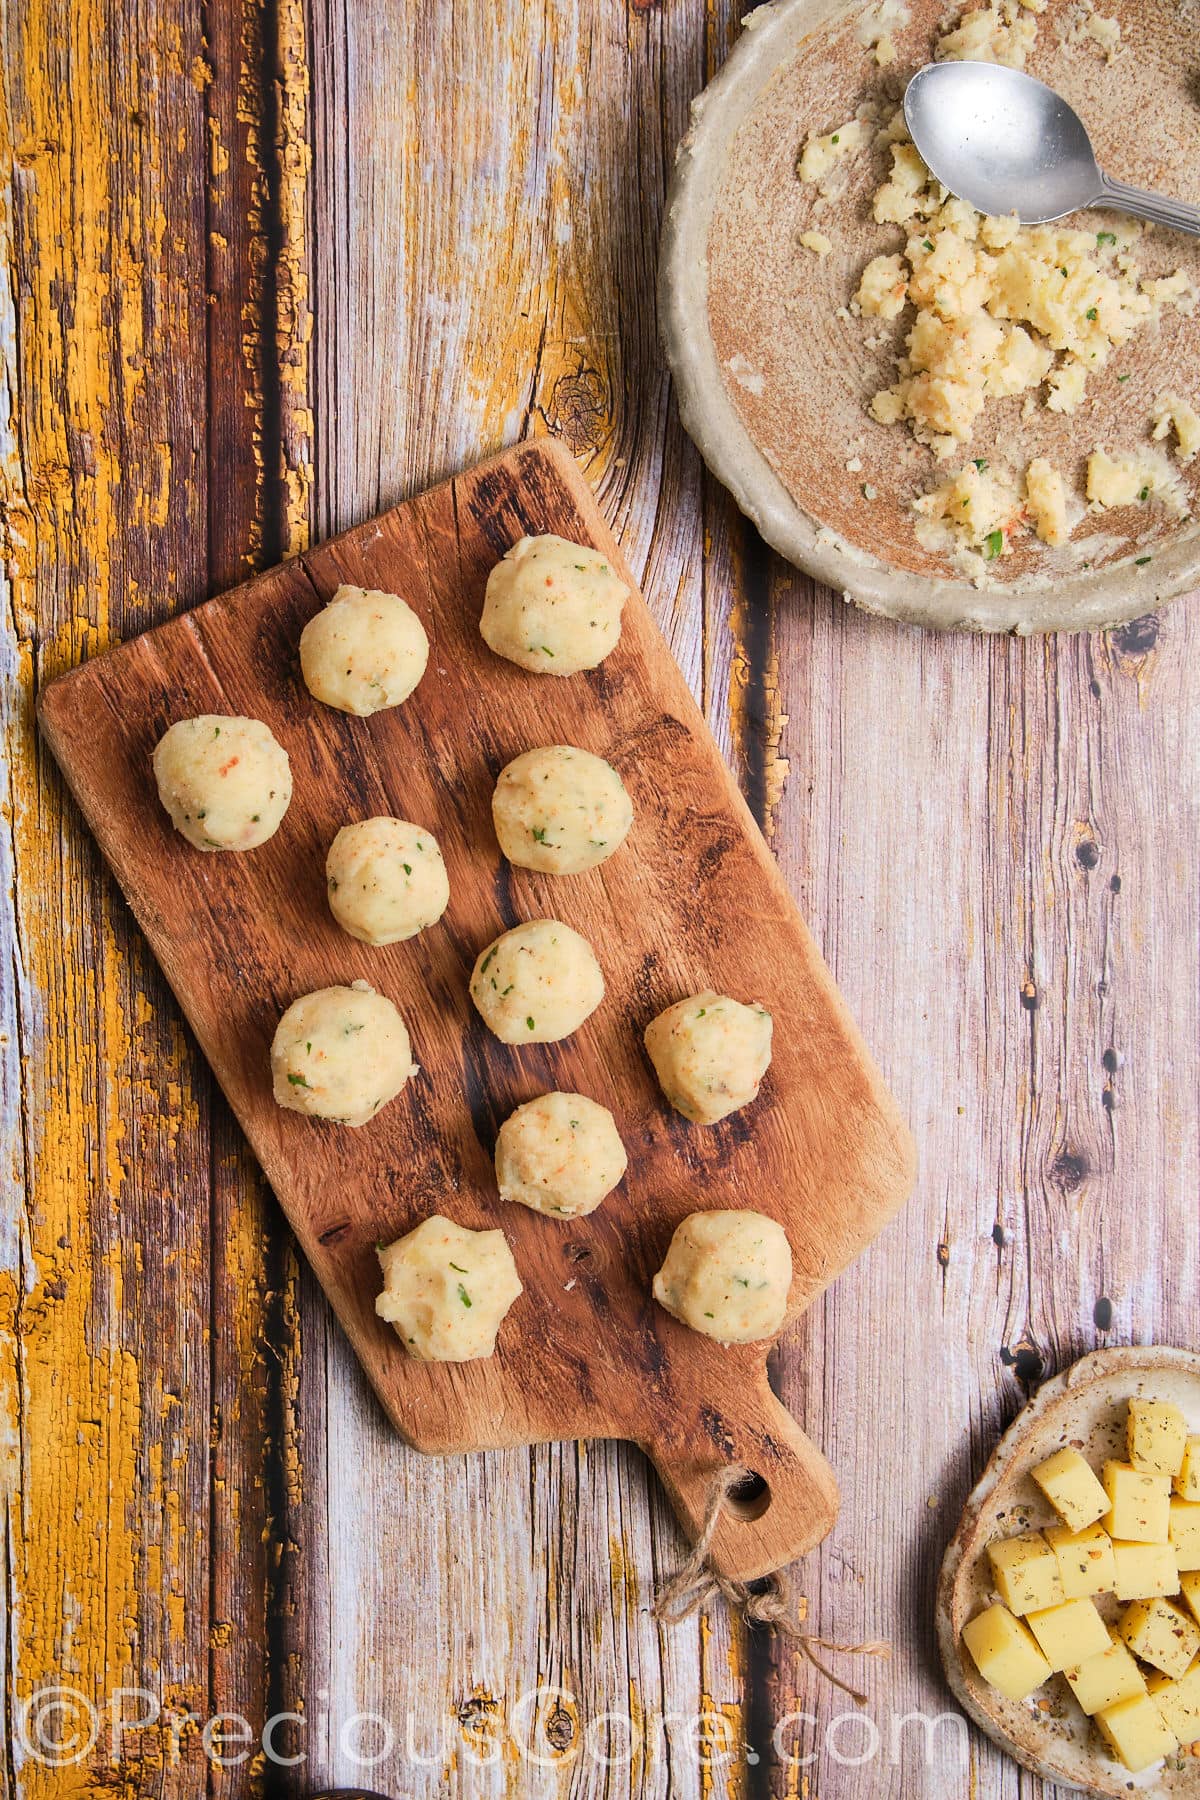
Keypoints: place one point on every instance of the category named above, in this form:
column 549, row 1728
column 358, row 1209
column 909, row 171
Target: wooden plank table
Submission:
column 269, row 268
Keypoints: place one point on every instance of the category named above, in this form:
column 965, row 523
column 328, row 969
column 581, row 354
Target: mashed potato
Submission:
column 727, row 1274
column 1173, row 414
column 997, row 309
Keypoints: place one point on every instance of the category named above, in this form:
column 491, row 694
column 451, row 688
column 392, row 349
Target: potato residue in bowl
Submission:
column 1000, row 309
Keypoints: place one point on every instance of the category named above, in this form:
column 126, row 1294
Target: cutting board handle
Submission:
column 789, row 1506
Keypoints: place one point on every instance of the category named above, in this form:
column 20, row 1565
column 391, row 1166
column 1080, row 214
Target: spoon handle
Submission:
column 1177, row 215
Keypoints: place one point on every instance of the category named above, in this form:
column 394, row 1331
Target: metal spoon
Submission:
column 1006, row 143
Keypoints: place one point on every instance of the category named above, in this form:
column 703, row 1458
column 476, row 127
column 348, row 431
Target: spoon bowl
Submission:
column 1006, row 143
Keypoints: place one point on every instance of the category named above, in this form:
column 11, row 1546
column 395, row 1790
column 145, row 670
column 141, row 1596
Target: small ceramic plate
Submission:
column 1085, row 1407
column 773, row 373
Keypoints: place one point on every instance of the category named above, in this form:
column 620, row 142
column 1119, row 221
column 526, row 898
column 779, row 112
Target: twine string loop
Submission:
column 767, row 1603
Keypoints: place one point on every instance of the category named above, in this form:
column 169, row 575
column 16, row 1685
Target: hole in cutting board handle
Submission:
column 750, row 1496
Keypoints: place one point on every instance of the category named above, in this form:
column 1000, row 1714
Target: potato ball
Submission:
column 340, row 1053
column 727, row 1274
column 561, row 1154
column 386, row 880
column 537, row 983
column 446, row 1289
column 363, row 652
column 552, row 606
column 710, row 1053
column 225, row 782
column 560, row 810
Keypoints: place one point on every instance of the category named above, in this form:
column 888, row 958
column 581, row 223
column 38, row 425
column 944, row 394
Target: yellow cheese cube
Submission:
column 1068, row 1634
column 1072, row 1489
column 1137, row 1732
column 1187, row 1482
column 1085, row 1560
column 1138, row 1504
column 1003, row 1650
column 1160, row 1634
column 1179, row 1702
column 1025, row 1570
column 1185, row 1533
column 1156, row 1436
column 1144, row 1570
column 1190, row 1587
column 1104, row 1679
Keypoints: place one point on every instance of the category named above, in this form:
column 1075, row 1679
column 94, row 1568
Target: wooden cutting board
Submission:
column 693, row 900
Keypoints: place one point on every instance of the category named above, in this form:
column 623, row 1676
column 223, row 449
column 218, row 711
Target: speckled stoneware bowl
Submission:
column 773, row 382
column 1085, row 1406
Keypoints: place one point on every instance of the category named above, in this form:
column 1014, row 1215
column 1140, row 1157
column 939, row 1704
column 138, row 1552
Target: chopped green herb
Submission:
column 487, row 959
column 1141, row 560
column 538, row 832
column 1122, row 378
column 308, row 1047
column 254, row 818
column 1063, row 272
column 836, row 138
column 926, row 244
column 708, row 1315
column 1106, row 237
column 574, row 1124
column 1145, row 494
column 463, row 1295
column 407, row 867
column 993, row 543
column 457, row 1270
column 1091, row 313
column 333, row 884
column 529, row 1023
column 980, row 463
column 216, row 731
column 505, row 992
column 702, row 1012
column 297, row 1081
column 549, row 652
column 741, row 1281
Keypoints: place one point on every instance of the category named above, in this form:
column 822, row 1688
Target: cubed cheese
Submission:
column 1072, row 1489
column 1156, row 1436
column 1139, row 1504
column 1068, row 1634
column 1003, row 1650
column 1185, row 1533
column 1161, row 1635
column 1106, row 1678
column 1189, row 1586
column 1179, row 1702
column 1025, row 1570
column 1136, row 1732
column 1144, row 1570
column 1085, row 1560
column 1187, row 1482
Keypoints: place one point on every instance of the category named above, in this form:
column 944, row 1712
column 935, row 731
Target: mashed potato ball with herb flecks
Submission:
column 386, row 880
column 553, row 606
column 560, row 810
column 710, row 1054
column 363, row 652
column 446, row 1290
column 340, row 1053
column 226, row 782
column 537, row 983
column 727, row 1274
column 559, row 1154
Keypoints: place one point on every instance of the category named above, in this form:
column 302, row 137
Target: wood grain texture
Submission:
column 994, row 843
column 692, row 901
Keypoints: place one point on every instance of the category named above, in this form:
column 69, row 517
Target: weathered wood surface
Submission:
column 267, row 272
column 693, row 900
